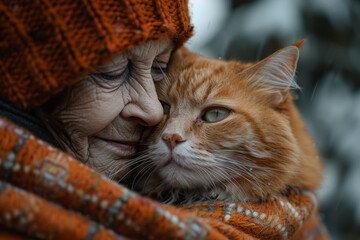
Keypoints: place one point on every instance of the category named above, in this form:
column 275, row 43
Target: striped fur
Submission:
column 257, row 151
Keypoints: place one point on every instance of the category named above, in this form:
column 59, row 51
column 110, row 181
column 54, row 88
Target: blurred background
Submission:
column 328, row 73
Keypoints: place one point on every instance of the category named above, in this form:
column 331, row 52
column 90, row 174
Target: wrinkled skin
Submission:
column 103, row 115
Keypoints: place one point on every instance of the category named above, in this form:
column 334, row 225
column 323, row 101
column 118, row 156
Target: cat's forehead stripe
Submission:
column 208, row 92
column 199, row 84
column 200, row 81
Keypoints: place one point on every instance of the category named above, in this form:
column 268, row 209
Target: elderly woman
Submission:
column 79, row 75
column 118, row 48
column 99, row 119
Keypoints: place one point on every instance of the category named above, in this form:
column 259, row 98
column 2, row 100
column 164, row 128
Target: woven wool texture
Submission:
column 32, row 173
column 47, row 45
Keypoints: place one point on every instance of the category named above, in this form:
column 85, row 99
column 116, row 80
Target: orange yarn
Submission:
column 32, row 165
column 48, row 45
column 37, row 216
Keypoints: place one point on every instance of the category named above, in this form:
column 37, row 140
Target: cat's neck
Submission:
column 308, row 175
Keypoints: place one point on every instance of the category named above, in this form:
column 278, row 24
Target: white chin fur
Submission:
column 175, row 176
column 190, row 176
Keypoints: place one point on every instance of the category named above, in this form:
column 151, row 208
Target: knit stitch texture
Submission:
column 47, row 45
column 46, row 194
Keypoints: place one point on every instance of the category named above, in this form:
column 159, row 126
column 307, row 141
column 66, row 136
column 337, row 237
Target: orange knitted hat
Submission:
column 48, row 45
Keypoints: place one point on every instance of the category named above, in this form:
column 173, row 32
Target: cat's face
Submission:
column 225, row 132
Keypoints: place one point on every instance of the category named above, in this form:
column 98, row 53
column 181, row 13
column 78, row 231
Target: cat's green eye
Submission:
column 166, row 107
column 215, row 114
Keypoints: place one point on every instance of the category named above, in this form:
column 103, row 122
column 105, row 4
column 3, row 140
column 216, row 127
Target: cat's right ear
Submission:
column 275, row 74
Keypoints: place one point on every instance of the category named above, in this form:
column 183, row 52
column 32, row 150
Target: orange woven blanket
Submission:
column 46, row 194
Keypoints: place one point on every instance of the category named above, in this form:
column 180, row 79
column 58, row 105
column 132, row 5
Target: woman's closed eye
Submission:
column 158, row 70
column 109, row 77
column 112, row 76
column 116, row 74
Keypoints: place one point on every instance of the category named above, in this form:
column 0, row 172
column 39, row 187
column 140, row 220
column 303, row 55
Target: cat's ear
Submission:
column 275, row 74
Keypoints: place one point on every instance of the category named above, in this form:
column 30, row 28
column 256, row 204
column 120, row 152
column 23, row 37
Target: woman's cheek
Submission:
column 96, row 119
column 101, row 106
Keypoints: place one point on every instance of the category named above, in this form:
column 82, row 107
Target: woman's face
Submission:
column 104, row 113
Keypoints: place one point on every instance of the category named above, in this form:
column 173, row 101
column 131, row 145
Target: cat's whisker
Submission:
column 147, row 166
column 166, row 80
column 232, row 182
column 109, row 169
column 135, row 161
column 141, row 160
column 244, row 173
column 212, row 183
column 137, row 165
column 152, row 168
column 249, row 163
column 128, row 165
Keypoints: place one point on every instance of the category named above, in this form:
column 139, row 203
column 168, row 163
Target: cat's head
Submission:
column 227, row 126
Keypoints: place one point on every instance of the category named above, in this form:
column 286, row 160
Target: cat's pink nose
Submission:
column 172, row 140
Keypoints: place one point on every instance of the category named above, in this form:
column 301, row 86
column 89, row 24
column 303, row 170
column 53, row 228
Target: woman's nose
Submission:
column 147, row 110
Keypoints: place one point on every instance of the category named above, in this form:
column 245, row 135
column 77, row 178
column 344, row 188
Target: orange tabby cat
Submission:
column 231, row 131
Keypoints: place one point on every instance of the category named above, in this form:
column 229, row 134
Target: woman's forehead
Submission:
column 149, row 49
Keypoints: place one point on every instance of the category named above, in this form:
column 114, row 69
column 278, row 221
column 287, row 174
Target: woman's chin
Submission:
column 109, row 164
column 112, row 168
column 110, row 158
column 120, row 149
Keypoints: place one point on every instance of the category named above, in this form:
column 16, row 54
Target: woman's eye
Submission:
column 215, row 114
column 111, row 75
column 158, row 70
column 166, row 107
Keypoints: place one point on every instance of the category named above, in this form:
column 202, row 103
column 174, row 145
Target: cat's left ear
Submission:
column 275, row 74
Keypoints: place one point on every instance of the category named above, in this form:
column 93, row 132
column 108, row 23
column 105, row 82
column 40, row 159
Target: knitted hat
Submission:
column 48, row 45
